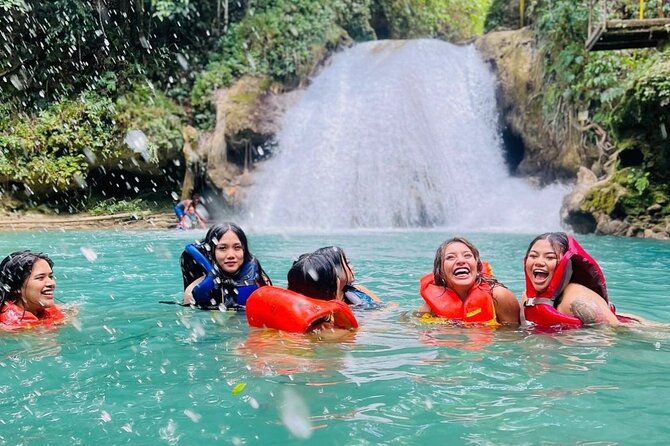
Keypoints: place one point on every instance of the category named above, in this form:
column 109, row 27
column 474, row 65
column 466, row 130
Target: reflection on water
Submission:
column 132, row 370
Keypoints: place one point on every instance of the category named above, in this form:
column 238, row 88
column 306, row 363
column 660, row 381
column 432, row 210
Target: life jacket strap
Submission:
column 532, row 301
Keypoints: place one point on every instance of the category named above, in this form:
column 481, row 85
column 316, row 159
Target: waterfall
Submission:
column 397, row 134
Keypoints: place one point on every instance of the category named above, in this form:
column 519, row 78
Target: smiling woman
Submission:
column 460, row 288
column 565, row 285
column 27, row 288
column 229, row 272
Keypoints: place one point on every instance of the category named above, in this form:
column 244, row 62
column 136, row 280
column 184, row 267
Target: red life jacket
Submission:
column 575, row 266
column 478, row 307
column 282, row 309
column 14, row 317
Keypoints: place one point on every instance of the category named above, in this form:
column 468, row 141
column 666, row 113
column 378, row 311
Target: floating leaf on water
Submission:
column 238, row 388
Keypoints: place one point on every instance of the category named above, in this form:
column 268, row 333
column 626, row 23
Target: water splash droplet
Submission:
column 195, row 417
column 295, row 414
column 90, row 255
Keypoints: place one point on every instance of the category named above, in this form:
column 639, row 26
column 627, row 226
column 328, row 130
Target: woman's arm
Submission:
column 424, row 309
column 367, row 291
column 586, row 305
column 188, row 292
column 508, row 311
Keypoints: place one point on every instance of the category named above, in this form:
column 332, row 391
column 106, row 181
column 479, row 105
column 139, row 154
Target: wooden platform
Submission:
column 622, row 34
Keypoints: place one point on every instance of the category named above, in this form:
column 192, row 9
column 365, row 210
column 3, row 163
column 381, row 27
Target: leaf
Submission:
column 238, row 388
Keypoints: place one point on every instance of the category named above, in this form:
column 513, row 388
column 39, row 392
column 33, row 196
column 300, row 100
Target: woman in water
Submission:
column 27, row 288
column 187, row 213
column 565, row 285
column 460, row 289
column 357, row 295
column 232, row 273
column 315, row 275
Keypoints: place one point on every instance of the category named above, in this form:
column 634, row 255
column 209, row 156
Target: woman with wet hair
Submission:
column 220, row 272
column 315, row 275
column 354, row 294
column 565, row 285
column 462, row 288
column 27, row 288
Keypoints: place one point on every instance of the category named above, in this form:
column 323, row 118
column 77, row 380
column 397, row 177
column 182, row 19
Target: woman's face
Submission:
column 229, row 252
column 541, row 264
column 37, row 291
column 459, row 265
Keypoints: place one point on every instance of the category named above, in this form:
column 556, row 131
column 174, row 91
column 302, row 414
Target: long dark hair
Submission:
column 557, row 240
column 212, row 238
column 336, row 255
column 14, row 270
column 215, row 233
column 313, row 275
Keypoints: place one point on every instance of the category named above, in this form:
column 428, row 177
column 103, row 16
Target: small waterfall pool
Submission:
column 397, row 134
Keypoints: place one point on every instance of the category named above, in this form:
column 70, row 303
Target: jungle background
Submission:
column 112, row 106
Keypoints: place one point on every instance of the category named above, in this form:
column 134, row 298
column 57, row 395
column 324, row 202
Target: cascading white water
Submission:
column 397, row 134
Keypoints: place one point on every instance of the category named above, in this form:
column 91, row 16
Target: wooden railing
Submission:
column 610, row 28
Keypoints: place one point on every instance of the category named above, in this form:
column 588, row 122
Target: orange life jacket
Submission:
column 477, row 308
column 282, row 309
column 14, row 317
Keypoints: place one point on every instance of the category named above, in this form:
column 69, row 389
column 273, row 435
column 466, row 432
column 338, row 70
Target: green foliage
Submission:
column 52, row 151
column 355, row 17
column 640, row 182
column 49, row 151
column 447, row 19
column 282, row 38
column 114, row 206
column 171, row 9
column 155, row 115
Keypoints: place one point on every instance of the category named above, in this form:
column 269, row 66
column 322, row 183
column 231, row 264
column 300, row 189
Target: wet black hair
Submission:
column 215, row 233
column 313, row 275
column 558, row 241
column 336, row 255
column 14, row 270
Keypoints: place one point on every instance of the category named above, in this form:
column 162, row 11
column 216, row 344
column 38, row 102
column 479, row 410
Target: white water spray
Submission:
column 397, row 134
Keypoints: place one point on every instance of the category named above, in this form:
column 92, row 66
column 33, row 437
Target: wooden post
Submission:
column 641, row 9
column 521, row 11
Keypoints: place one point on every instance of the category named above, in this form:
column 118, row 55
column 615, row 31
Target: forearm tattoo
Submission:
column 587, row 312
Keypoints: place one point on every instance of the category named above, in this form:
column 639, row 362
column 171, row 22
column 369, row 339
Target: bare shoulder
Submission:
column 586, row 305
column 506, row 305
column 575, row 289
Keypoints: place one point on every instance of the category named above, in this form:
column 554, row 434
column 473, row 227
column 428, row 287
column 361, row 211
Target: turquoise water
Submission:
column 130, row 370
